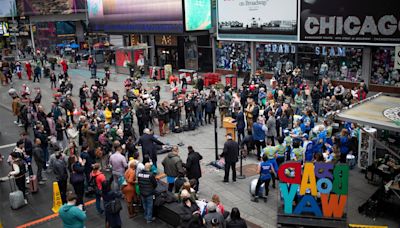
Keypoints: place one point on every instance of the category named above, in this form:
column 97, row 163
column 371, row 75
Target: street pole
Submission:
column 87, row 25
column 13, row 7
column 32, row 38
column 216, row 138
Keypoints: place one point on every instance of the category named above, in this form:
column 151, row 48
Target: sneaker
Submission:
column 254, row 200
column 25, row 201
column 42, row 182
column 15, row 122
column 149, row 221
column 265, row 199
column 20, row 125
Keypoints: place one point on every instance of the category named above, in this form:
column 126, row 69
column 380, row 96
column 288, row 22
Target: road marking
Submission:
column 7, row 145
column 48, row 218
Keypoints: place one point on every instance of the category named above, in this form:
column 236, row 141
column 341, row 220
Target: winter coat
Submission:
column 230, row 151
column 173, row 165
column 193, row 169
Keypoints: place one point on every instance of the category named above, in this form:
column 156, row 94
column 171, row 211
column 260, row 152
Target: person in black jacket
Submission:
column 148, row 141
column 231, row 154
column 200, row 83
column 147, row 185
column 38, row 156
column 315, row 98
column 193, row 170
column 240, row 124
column 188, row 209
column 61, row 175
column 77, row 170
column 235, row 220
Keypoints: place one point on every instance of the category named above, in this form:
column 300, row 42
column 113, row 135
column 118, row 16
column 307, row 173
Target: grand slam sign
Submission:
column 320, row 190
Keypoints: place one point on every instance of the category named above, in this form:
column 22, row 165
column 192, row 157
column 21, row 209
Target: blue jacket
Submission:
column 72, row 216
column 240, row 122
column 258, row 132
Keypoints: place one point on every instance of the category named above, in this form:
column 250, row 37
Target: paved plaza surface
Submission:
column 202, row 139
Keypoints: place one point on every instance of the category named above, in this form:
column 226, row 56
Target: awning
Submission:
column 370, row 112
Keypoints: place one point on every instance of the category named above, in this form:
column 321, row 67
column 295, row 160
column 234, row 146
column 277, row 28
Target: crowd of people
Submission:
column 93, row 146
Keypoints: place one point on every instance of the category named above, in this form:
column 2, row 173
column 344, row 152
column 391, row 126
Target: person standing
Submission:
column 28, row 68
column 53, row 80
column 173, row 167
column 230, row 154
column 259, row 130
column 93, row 70
column 38, row 156
column 119, row 164
column 240, row 123
column 72, row 216
column 61, row 175
column 193, row 169
column 130, row 189
column 110, row 197
column 77, row 170
column 18, row 171
column 37, row 73
column 148, row 143
column 271, row 127
column 264, row 169
column 97, row 178
column 147, row 185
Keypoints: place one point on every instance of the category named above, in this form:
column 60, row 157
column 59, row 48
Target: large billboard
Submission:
column 7, row 8
column 141, row 16
column 197, row 15
column 273, row 20
column 355, row 21
column 49, row 7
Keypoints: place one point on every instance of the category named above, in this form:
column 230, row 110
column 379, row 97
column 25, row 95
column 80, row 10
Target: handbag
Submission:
column 122, row 181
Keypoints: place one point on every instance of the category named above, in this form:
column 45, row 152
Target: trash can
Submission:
column 231, row 79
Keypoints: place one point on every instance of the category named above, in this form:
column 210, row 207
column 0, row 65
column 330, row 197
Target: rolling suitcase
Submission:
column 33, row 184
column 16, row 196
column 170, row 213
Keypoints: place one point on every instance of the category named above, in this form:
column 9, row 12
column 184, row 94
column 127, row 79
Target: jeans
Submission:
column 46, row 156
column 147, row 202
column 98, row 204
column 171, row 124
column 199, row 118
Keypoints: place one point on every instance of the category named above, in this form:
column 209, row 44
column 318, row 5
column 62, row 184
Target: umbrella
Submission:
column 60, row 45
column 74, row 45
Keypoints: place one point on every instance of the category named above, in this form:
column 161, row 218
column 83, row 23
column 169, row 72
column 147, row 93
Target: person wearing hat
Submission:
column 213, row 218
column 18, row 169
column 230, row 153
column 265, row 168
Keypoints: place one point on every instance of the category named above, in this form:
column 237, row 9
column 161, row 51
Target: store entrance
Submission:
column 167, row 55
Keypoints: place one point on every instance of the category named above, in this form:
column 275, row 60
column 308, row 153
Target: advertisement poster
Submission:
column 191, row 54
column 43, row 7
column 144, row 16
column 397, row 58
column 257, row 20
column 354, row 21
column 7, row 8
column 123, row 58
column 197, row 15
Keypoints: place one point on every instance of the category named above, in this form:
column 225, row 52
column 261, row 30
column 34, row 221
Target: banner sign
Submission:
column 197, row 15
column 138, row 16
column 319, row 189
column 43, row 7
column 257, row 20
column 355, row 21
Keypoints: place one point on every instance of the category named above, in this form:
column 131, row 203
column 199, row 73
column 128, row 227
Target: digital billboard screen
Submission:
column 257, row 20
column 355, row 21
column 141, row 16
column 46, row 7
column 197, row 15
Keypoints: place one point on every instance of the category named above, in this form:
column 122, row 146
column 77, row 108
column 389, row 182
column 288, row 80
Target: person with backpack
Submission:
column 18, row 171
column 147, row 185
column 112, row 205
column 96, row 180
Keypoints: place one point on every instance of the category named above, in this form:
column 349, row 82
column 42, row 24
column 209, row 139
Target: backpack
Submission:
column 114, row 206
column 93, row 188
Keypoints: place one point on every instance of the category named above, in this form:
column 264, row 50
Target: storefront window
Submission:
column 337, row 62
column 273, row 57
column 383, row 72
column 233, row 56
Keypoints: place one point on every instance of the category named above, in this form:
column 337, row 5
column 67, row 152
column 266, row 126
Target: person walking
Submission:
column 61, row 175
column 230, row 154
column 97, row 178
column 173, row 167
column 72, row 216
column 264, row 169
column 38, row 156
column 147, row 185
column 129, row 189
column 193, row 169
column 37, row 73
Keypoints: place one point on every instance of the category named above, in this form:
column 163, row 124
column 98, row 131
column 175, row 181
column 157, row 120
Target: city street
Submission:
column 202, row 139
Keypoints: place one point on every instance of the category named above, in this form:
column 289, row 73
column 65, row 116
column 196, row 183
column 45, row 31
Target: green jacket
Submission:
column 72, row 216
